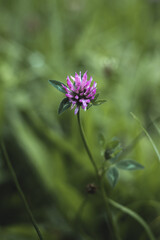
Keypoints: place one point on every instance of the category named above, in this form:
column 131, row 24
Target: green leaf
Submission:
column 64, row 105
column 129, row 165
column 112, row 176
column 99, row 102
column 57, row 85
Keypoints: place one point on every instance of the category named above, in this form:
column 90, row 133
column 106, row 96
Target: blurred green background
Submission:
column 118, row 42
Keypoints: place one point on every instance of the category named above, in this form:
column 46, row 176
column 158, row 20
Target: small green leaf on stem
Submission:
column 64, row 105
column 129, row 165
column 57, row 85
column 112, row 176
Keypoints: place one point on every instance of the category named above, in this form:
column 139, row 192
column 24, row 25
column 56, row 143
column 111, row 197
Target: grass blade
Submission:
column 135, row 216
column 149, row 137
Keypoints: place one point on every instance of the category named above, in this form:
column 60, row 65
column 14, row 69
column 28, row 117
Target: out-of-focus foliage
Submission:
column 118, row 42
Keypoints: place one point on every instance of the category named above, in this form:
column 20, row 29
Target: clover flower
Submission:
column 80, row 93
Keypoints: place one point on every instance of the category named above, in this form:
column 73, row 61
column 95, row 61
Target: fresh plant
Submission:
column 81, row 94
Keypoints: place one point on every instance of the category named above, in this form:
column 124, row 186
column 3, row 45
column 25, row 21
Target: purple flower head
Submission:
column 80, row 92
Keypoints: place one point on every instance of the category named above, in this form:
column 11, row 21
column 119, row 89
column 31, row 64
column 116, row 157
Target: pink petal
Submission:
column 94, row 85
column 76, row 110
column 92, row 93
column 67, row 90
column 69, row 95
column 87, row 91
column 84, row 103
column 73, row 78
column 73, row 104
column 77, row 90
column 77, row 97
column 84, row 80
column 70, row 84
column 88, row 83
column 77, row 80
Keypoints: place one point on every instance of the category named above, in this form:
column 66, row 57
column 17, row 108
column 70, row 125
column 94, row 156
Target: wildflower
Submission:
column 80, row 93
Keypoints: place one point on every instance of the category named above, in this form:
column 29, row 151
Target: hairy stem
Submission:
column 13, row 174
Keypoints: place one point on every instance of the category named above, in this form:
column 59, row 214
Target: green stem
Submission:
column 20, row 191
column 86, row 146
column 111, row 224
